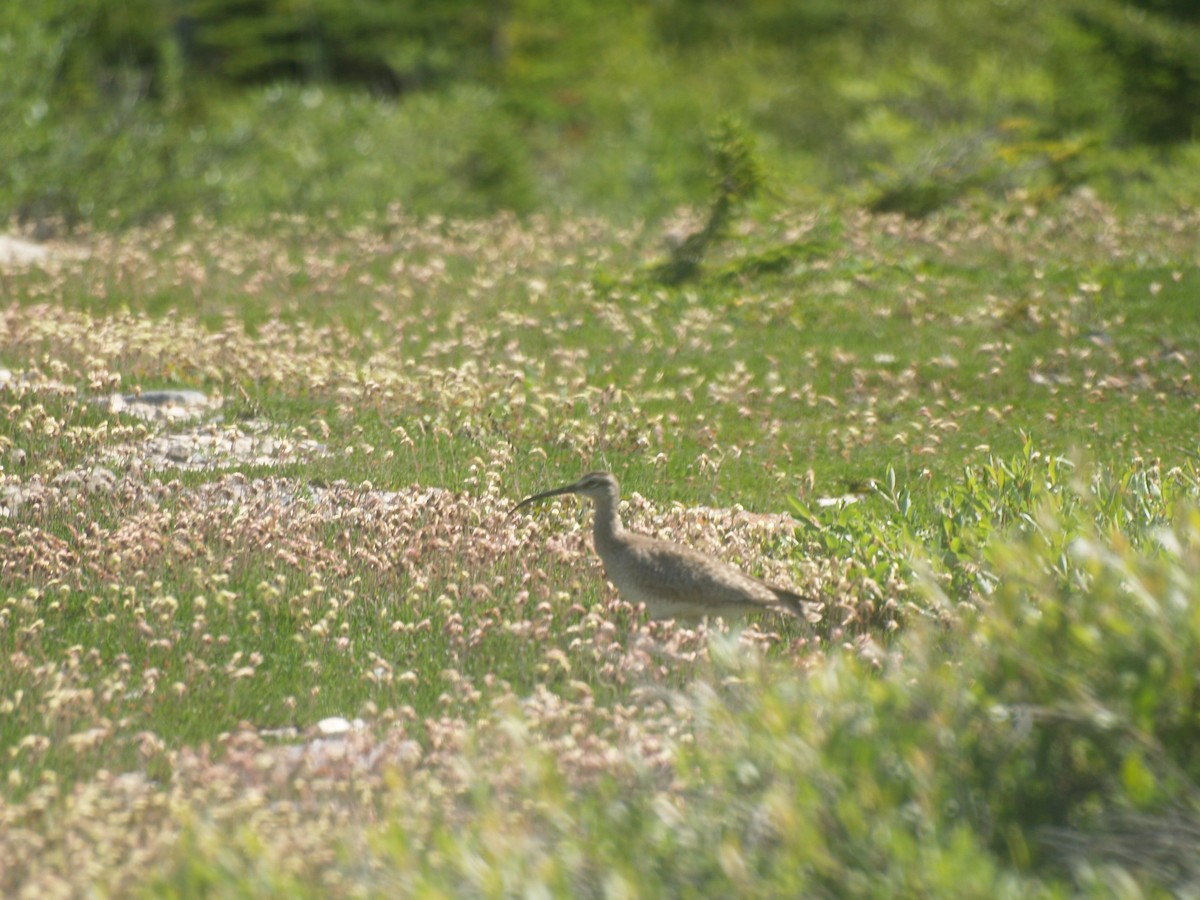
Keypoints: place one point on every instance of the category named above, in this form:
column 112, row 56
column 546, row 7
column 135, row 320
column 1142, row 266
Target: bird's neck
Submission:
column 608, row 522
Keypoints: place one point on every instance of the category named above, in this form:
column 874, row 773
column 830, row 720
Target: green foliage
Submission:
column 949, row 536
column 121, row 111
column 387, row 47
column 454, row 155
column 278, row 149
column 1096, row 677
column 1009, row 159
column 1155, row 47
column 825, row 788
column 209, row 864
column 1069, row 701
column 698, row 24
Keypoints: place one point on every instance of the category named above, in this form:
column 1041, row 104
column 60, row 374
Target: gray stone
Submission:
column 170, row 404
column 178, row 450
column 15, row 251
column 167, row 398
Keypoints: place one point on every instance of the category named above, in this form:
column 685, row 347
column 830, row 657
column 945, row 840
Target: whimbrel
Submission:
column 675, row 582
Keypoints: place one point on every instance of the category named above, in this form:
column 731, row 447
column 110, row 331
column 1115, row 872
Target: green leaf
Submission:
column 1139, row 782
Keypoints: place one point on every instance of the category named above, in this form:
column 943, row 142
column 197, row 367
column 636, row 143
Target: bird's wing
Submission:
column 684, row 575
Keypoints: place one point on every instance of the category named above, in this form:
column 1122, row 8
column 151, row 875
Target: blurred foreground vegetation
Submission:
column 241, row 110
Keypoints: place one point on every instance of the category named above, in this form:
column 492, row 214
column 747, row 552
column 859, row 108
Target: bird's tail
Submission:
column 802, row 607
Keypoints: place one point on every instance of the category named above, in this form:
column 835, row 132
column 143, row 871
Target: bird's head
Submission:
column 594, row 486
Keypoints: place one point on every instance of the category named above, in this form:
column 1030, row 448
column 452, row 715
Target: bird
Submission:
column 673, row 581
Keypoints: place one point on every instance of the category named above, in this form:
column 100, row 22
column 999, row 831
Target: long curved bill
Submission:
column 545, row 495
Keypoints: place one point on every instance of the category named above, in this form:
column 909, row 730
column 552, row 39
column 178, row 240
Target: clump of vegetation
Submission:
column 950, row 537
column 737, row 179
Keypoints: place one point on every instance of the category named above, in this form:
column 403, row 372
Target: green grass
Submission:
column 1008, row 395
column 982, row 339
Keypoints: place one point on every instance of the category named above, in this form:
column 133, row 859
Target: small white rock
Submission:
column 336, row 725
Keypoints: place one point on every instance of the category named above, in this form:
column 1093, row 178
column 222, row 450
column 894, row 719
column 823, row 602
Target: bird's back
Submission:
column 677, row 582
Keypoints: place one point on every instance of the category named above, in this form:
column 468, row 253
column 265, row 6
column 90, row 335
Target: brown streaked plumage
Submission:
column 674, row 581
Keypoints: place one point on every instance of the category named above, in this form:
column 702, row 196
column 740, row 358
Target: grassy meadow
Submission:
column 338, row 667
